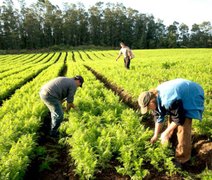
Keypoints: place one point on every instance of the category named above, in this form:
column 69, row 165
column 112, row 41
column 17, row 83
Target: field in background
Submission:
column 104, row 128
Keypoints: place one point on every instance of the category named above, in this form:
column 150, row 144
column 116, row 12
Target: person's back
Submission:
column 182, row 100
column 54, row 93
column 60, row 87
column 191, row 94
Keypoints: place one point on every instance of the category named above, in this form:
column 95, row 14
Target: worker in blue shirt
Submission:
column 182, row 100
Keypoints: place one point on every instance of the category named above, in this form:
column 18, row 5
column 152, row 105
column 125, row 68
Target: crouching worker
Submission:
column 54, row 93
column 182, row 100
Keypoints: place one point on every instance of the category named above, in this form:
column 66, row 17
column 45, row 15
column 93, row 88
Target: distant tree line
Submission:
column 43, row 24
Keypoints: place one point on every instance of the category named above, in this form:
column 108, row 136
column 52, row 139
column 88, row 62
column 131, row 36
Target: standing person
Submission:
column 127, row 53
column 54, row 93
column 182, row 100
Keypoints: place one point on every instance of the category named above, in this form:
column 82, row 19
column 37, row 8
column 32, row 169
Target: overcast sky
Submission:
column 182, row 11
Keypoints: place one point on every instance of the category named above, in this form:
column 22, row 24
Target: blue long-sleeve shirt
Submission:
column 180, row 93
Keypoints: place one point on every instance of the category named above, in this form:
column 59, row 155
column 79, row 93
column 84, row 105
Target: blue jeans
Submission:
column 55, row 107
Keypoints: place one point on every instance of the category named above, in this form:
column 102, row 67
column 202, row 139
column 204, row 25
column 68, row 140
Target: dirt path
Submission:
column 53, row 161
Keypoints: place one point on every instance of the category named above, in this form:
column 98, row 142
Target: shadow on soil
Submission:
column 52, row 161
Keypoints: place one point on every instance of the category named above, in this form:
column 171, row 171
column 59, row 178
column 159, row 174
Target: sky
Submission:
column 182, row 11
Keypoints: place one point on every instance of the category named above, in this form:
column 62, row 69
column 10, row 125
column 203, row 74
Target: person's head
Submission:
column 147, row 101
column 79, row 80
column 122, row 44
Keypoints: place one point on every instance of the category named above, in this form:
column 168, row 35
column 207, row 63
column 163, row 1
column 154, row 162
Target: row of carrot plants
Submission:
column 103, row 130
column 79, row 56
column 21, row 116
column 11, row 63
column 4, row 58
column 152, row 67
column 10, row 83
column 39, row 60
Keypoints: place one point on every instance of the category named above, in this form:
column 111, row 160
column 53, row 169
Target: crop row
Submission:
column 11, row 83
column 39, row 60
column 148, row 72
column 79, row 56
column 21, row 117
column 104, row 130
column 11, row 63
column 4, row 58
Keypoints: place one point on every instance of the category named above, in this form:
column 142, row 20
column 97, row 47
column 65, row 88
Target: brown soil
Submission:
column 202, row 146
column 124, row 96
column 203, row 149
column 62, row 169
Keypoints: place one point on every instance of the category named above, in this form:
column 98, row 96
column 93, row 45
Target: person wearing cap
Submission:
column 127, row 53
column 182, row 100
column 54, row 93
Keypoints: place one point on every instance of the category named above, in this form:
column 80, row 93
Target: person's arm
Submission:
column 118, row 57
column 168, row 132
column 120, row 53
column 177, row 112
column 69, row 106
column 159, row 119
column 70, row 99
column 177, row 116
column 158, row 127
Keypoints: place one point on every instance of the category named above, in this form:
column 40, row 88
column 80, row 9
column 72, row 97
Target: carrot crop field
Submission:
column 106, row 137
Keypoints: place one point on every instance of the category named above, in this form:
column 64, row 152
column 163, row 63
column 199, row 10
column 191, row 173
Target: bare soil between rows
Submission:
column 202, row 145
column 62, row 166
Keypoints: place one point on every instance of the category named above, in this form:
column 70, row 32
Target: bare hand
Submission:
column 72, row 107
column 164, row 138
column 65, row 110
column 76, row 108
column 153, row 139
column 69, row 106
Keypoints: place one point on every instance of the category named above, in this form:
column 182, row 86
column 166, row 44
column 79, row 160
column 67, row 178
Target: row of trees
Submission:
column 43, row 24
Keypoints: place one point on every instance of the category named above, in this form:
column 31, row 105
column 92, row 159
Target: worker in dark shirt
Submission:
column 54, row 93
column 182, row 100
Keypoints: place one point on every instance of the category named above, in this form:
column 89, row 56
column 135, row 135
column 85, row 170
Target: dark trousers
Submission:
column 127, row 62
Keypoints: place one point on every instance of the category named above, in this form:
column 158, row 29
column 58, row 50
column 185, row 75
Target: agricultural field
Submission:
column 106, row 137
